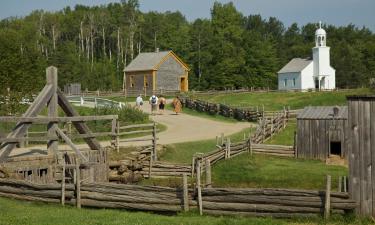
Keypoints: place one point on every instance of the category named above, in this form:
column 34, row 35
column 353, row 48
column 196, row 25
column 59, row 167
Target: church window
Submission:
column 285, row 82
column 294, row 82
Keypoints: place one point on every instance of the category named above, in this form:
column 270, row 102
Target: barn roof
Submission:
column 150, row 61
column 323, row 112
column 295, row 65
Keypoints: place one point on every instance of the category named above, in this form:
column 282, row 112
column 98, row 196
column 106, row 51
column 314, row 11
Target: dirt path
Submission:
column 186, row 128
column 180, row 128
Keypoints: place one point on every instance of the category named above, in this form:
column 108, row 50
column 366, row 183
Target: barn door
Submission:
column 336, row 141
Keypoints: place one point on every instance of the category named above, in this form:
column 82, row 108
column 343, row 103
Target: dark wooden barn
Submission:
column 322, row 131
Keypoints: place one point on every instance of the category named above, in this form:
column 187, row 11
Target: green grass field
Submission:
column 13, row 212
column 183, row 152
column 285, row 136
column 277, row 100
column 261, row 171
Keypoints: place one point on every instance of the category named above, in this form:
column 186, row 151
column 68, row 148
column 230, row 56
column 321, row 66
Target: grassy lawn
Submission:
column 183, row 152
column 15, row 212
column 274, row 172
column 277, row 100
column 284, row 137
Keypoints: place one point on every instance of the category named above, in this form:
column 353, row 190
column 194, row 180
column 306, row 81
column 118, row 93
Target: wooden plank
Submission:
column 52, row 106
column 21, row 128
column 327, row 205
column 366, row 152
column 372, row 150
column 199, row 190
column 81, row 127
column 185, row 192
column 57, row 119
column 354, row 173
column 137, row 126
column 71, row 144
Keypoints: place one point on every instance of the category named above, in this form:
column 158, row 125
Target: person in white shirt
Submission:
column 139, row 101
column 154, row 104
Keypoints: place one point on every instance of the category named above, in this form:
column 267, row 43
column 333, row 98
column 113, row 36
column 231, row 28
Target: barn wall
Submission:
column 139, row 81
column 314, row 137
column 168, row 75
column 361, row 146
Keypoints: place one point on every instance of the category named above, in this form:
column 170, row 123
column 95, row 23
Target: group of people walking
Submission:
column 158, row 104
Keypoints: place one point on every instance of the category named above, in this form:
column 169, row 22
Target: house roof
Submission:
column 295, row 65
column 150, row 61
column 323, row 112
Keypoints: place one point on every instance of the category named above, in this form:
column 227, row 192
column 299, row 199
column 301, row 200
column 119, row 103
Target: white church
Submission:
column 304, row 74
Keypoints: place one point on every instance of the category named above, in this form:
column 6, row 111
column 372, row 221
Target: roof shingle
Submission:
column 323, row 112
column 146, row 61
column 295, row 65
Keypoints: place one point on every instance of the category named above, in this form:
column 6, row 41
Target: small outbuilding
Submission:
column 322, row 131
column 154, row 71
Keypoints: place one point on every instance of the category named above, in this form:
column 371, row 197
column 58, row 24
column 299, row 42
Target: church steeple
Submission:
column 320, row 36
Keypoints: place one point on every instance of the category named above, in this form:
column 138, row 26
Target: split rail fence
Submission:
column 212, row 201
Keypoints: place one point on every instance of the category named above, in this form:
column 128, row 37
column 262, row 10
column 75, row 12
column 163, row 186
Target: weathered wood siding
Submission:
column 314, row 137
column 169, row 74
column 361, row 146
column 139, row 81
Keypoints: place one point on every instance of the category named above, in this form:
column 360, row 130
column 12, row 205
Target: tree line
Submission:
column 92, row 45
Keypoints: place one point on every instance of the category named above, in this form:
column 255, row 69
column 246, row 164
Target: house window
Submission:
column 145, row 81
column 132, row 81
column 294, row 82
column 285, row 82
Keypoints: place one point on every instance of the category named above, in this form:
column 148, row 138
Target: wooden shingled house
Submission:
column 322, row 131
column 152, row 72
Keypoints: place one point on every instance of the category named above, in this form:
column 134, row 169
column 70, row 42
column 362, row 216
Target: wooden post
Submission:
column 154, row 143
column 63, row 182
column 69, row 123
column 78, row 184
column 272, row 128
column 52, row 105
column 222, row 138
column 228, row 147
column 27, row 138
column 345, row 183
column 150, row 166
column 327, row 205
column 340, row 183
column 185, row 192
column 295, row 145
column 208, row 173
column 199, row 190
column 192, row 166
column 118, row 136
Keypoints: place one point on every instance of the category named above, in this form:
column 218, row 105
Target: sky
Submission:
column 336, row 12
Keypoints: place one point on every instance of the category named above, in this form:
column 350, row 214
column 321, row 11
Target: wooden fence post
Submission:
column 185, row 192
column 199, row 190
column 208, row 173
column 327, row 205
column 154, row 143
column 340, row 183
column 63, row 182
column 51, row 75
column 222, row 139
column 78, row 184
column 228, row 147
column 192, row 166
column 295, row 144
column 150, row 166
column 118, row 136
column 345, row 184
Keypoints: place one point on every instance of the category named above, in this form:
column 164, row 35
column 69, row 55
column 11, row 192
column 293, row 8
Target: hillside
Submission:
column 277, row 100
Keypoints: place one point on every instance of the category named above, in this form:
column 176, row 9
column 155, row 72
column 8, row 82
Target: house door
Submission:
column 183, row 84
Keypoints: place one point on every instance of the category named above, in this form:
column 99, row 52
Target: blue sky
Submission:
column 337, row 12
